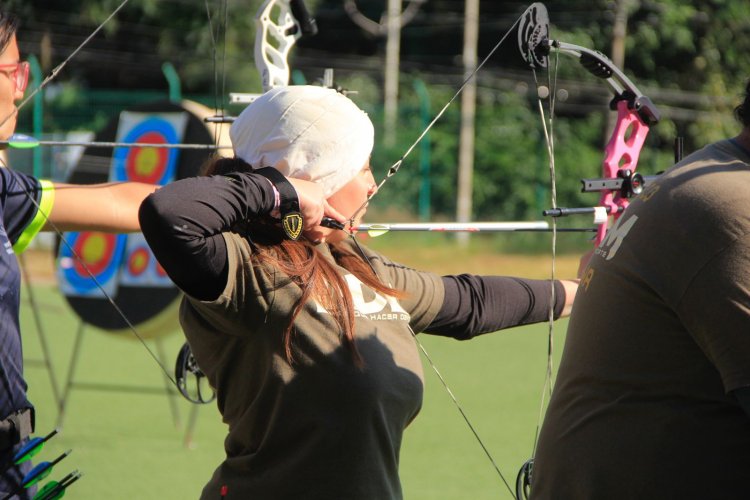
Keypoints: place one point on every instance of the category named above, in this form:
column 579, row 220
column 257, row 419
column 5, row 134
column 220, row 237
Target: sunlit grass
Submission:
column 129, row 444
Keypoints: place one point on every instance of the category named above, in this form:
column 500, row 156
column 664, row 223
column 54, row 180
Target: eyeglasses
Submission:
column 18, row 73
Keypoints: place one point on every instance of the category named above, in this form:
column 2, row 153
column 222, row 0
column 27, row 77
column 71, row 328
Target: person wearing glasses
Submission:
column 28, row 205
column 652, row 398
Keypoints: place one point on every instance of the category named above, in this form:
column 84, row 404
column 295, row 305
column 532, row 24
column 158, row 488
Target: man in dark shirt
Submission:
column 651, row 400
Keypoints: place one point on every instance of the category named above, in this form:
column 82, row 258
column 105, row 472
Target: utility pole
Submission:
column 468, row 112
column 392, row 60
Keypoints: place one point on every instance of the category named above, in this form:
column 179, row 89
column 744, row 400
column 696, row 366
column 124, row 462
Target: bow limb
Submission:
column 279, row 24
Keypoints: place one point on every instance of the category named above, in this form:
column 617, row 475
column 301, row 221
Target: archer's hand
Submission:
column 312, row 204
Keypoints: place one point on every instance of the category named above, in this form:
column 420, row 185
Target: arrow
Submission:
column 22, row 141
column 378, row 229
column 31, row 448
column 56, row 489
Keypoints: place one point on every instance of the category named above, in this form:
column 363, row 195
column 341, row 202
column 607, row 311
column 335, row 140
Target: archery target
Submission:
column 140, row 267
column 87, row 260
column 143, row 164
column 123, row 264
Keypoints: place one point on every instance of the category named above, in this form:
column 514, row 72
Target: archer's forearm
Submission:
column 110, row 207
column 474, row 305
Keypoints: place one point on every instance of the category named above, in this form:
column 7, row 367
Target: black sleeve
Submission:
column 475, row 305
column 183, row 222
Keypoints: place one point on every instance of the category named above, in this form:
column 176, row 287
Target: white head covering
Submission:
column 305, row 132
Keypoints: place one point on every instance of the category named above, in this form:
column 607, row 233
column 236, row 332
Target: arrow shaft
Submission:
column 452, row 227
column 91, row 144
column 456, row 226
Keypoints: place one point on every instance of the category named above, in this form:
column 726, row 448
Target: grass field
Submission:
column 129, row 445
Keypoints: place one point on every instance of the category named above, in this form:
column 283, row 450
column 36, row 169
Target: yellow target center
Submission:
column 139, row 261
column 146, row 161
column 94, row 249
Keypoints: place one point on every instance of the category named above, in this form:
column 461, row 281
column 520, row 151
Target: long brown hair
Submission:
column 316, row 277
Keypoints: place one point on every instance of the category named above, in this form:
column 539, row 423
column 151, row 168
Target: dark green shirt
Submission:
column 659, row 336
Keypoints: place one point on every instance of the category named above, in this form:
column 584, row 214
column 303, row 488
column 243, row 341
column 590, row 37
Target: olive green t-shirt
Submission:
column 659, row 335
column 320, row 427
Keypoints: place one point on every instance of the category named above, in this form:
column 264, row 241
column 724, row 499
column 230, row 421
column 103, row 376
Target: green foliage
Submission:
column 690, row 57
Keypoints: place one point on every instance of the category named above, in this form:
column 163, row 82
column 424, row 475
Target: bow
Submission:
column 619, row 181
column 393, row 170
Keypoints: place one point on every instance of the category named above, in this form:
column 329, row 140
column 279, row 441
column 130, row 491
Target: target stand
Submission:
column 71, row 382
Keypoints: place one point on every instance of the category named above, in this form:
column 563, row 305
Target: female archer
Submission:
column 309, row 342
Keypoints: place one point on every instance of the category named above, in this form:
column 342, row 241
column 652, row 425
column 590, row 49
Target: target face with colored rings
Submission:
column 88, row 257
column 123, row 265
column 144, row 164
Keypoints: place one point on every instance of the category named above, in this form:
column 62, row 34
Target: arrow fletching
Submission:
column 31, row 448
column 41, row 471
column 56, row 489
column 22, row 141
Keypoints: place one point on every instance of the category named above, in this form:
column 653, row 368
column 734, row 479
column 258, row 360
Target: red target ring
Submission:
column 147, row 164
